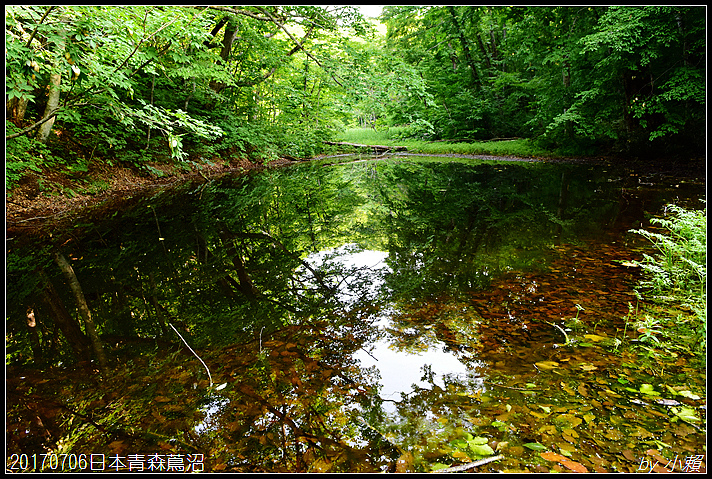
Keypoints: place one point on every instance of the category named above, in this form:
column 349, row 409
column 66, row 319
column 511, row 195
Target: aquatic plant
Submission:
column 680, row 266
column 678, row 272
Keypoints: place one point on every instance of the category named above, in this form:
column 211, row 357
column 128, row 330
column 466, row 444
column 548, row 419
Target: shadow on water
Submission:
column 376, row 316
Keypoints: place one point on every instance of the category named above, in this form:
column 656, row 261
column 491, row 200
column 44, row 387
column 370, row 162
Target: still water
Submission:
column 385, row 315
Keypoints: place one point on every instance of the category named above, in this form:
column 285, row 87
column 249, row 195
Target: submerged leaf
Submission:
column 594, row 337
column 685, row 413
column 547, row 364
column 574, row 466
column 565, row 452
column 568, row 390
column 535, row 446
column 552, row 456
column 648, row 389
column 689, row 394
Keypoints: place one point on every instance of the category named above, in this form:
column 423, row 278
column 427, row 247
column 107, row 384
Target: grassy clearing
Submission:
column 393, row 136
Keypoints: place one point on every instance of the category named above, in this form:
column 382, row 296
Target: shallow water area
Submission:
column 380, row 315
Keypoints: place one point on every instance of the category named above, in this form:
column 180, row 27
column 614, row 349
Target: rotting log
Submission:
column 376, row 148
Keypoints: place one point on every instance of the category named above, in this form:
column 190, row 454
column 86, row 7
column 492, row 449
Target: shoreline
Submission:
column 28, row 207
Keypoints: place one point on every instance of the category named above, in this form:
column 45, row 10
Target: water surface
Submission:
column 374, row 316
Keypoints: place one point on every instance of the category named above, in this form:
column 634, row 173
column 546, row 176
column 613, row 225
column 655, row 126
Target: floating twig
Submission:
column 471, row 465
column 196, row 355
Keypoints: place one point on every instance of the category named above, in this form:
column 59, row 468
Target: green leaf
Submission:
column 478, row 440
column 502, row 426
column 535, row 446
column 566, row 453
column 483, row 450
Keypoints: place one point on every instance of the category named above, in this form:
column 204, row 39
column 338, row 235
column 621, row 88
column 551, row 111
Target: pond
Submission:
column 398, row 314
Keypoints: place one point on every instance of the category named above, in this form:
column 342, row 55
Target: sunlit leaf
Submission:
column 689, row 394
column 685, row 413
column 630, row 264
column 648, row 389
column 482, row 450
column 221, row 387
column 478, row 440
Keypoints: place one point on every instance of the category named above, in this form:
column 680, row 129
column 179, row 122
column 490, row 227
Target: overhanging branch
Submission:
column 299, row 45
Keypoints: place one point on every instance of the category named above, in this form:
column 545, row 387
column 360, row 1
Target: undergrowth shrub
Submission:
column 23, row 154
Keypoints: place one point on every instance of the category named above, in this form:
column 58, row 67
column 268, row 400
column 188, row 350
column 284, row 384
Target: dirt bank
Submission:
column 50, row 198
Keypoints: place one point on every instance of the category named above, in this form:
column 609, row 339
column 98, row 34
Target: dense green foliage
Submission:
column 140, row 83
column 150, row 83
column 574, row 77
column 677, row 274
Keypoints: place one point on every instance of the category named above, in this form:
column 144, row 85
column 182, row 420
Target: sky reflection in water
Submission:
column 398, row 370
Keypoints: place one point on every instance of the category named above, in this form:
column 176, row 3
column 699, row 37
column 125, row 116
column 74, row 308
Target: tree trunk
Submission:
column 55, row 80
column 52, row 104
column 84, row 311
column 465, row 46
column 16, row 109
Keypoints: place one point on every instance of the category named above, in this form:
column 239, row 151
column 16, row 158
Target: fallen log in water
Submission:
column 377, row 148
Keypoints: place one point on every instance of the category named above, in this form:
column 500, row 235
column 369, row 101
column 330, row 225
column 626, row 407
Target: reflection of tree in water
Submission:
column 226, row 268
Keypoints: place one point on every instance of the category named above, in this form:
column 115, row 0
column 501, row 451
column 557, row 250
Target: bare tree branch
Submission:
column 32, row 37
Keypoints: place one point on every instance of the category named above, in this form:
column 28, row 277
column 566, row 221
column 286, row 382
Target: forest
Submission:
column 93, row 86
